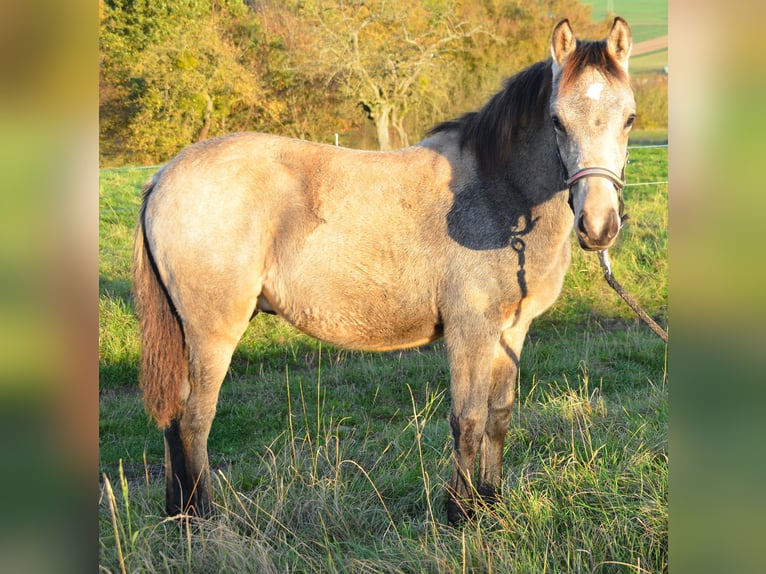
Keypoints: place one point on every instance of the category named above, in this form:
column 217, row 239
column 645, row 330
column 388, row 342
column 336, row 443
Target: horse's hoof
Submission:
column 489, row 494
column 200, row 510
column 459, row 512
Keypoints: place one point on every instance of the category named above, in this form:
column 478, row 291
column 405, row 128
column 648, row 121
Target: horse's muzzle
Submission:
column 596, row 234
column 593, row 232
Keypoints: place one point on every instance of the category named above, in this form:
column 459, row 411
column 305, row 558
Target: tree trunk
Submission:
column 398, row 121
column 382, row 120
column 207, row 118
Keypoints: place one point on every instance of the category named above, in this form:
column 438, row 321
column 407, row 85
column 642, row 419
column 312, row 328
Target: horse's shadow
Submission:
column 482, row 225
column 481, row 222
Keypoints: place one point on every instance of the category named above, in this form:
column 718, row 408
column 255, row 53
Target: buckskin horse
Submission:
column 464, row 235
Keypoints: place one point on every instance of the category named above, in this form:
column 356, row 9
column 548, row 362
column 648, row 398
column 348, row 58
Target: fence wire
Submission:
column 144, row 167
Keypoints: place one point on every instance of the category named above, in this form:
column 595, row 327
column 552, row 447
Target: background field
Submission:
column 649, row 69
column 327, row 460
column 648, row 19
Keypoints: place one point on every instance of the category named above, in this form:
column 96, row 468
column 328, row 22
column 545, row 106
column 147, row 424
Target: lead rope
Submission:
column 606, row 267
column 603, row 256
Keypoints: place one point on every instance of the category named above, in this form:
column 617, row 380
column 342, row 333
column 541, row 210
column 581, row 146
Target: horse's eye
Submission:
column 557, row 125
column 631, row 119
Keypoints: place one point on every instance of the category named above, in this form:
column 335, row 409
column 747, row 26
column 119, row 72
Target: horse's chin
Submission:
column 604, row 239
column 588, row 245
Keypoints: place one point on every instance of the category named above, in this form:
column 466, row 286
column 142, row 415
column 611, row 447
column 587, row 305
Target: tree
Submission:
column 313, row 106
column 178, row 70
column 386, row 54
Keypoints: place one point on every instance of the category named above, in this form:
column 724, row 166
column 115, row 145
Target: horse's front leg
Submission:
column 502, row 389
column 470, row 366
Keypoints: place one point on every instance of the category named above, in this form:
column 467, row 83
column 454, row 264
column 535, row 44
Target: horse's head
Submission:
column 592, row 110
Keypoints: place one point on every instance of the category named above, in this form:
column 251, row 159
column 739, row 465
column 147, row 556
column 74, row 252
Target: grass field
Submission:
column 327, row 460
column 651, row 63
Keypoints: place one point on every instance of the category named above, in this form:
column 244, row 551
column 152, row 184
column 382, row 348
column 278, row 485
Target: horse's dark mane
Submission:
column 523, row 103
column 489, row 132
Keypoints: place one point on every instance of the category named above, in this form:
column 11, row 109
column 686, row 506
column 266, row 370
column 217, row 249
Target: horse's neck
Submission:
column 534, row 172
column 534, row 167
column 532, row 178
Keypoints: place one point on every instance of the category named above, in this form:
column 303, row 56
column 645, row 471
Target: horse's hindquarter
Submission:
column 363, row 273
column 208, row 220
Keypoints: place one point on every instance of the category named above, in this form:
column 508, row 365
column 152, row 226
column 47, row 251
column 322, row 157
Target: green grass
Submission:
column 649, row 137
column 327, row 460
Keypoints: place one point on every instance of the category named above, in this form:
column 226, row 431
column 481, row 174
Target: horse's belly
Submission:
column 374, row 323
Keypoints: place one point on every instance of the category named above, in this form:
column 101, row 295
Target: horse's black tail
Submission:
column 164, row 366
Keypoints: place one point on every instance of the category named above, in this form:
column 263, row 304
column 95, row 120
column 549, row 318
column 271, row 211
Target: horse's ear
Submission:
column 619, row 42
column 563, row 42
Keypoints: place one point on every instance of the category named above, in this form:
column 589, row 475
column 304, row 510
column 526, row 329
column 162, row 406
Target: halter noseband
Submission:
column 617, row 180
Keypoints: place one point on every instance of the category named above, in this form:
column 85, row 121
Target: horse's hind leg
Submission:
column 176, row 480
column 187, row 472
column 505, row 365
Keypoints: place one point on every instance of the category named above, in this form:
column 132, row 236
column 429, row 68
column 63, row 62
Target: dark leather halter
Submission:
column 617, row 180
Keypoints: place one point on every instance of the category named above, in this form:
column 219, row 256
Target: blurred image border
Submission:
column 49, row 288
column 717, row 90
